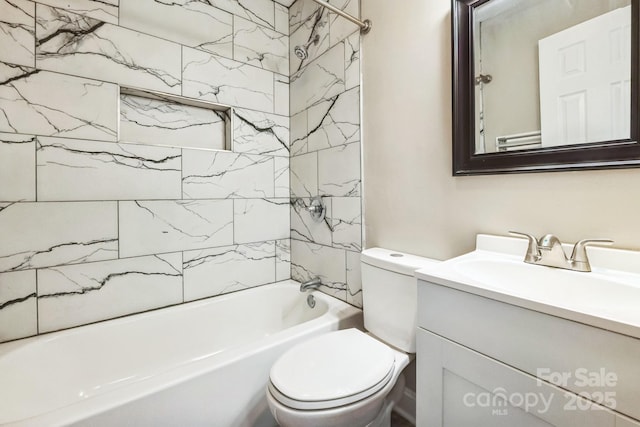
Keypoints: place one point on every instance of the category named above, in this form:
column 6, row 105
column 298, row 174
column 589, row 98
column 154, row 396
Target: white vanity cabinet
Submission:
column 487, row 363
column 458, row 387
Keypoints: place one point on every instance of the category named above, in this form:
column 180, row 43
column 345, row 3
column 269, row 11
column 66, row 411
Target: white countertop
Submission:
column 607, row 298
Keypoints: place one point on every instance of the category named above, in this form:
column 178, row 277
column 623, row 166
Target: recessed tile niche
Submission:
column 161, row 119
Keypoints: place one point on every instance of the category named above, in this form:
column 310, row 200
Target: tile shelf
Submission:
column 158, row 118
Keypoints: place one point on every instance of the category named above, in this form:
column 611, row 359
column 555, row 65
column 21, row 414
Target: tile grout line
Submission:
column 35, row 38
column 182, row 269
column 35, row 272
column 147, row 255
column 118, row 226
column 35, row 160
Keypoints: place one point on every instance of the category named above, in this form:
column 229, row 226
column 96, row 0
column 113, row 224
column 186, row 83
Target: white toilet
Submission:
column 348, row 377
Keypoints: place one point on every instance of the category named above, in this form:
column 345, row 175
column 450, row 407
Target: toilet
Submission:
column 350, row 378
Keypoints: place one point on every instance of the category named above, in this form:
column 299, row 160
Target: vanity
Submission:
column 501, row 342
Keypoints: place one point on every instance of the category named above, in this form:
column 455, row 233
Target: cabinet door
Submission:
column 458, row 387
column 538, row 344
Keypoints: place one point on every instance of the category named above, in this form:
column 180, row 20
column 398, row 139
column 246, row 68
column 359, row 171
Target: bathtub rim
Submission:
column 11, row 345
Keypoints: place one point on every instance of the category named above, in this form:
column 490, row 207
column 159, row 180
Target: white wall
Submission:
column 412, row 202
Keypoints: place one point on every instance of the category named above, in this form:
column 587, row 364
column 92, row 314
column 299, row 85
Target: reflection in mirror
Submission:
column 551, row 73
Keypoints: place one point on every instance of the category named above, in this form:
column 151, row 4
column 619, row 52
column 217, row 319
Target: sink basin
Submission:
column 608, row 297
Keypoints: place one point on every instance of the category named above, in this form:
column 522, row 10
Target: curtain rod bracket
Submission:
column 367, row 26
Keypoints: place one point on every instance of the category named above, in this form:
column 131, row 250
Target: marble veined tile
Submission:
column 256, row 45
column 260, row 133
column 281, row 19
column 103, row 10
column 340, row 28
column 18, row 310
column 148, row 227
column 299, row 137
column 70, row 169
column 17, row 32
column 258, row 11
column 282, row 188
column 304, row 175
column 217, row 79
column 301, row 13
column 193, row 23
column 36, row 235
column 44, row 103
column 304, row 227
column 257, row 220
column 285, row 3
column 312, row 33
column 281, row 95
column 352, row 61
column 17, row 167
column 227, row 269
column 320, row 80
column 309, row 260
column 354, row 279
column 346, row 223
column 283, row 259
column 87, row 47
column 339, row 171
column 335, row 121
column 159, row 122
column 223, row 174
column 79, row 294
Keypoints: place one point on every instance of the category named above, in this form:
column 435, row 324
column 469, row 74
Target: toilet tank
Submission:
column 390, row 294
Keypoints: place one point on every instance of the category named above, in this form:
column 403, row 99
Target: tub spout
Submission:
column 314, row 283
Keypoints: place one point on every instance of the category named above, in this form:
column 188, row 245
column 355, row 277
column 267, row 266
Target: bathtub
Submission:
column 204, row 363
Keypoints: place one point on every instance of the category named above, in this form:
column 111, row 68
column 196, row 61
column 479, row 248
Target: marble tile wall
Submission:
column 112, row 204
column 326, row 148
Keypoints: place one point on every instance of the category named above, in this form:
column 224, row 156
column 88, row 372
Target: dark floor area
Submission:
column 398, row 421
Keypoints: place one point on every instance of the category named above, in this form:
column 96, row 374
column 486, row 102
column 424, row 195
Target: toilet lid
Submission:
column 333, row 369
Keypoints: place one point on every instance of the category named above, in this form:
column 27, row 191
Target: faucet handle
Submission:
column 527, row 235
column 533, row 251
column 579, row 253
column 317, row 209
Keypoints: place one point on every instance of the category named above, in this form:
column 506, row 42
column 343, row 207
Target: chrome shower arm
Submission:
column 365, row 25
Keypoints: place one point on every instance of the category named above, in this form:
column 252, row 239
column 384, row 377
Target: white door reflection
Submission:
column 585, row 81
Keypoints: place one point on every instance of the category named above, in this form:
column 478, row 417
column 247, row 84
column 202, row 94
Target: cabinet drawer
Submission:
column 573, row 356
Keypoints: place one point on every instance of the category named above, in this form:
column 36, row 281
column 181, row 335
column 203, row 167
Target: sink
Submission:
column 608, row 297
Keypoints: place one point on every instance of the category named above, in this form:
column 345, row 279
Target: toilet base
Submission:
column 383, row 419
column 374, row 411
column 356, row 415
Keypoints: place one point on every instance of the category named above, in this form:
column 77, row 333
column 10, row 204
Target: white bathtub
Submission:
column 199, row 364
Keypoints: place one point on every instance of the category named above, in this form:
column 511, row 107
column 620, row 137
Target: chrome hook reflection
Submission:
column 484, row 79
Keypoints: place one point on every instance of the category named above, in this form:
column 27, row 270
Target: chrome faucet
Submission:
column 312, row 284
column 548, row 251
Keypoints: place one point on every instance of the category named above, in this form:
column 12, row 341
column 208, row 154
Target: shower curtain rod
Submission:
column 365, row 25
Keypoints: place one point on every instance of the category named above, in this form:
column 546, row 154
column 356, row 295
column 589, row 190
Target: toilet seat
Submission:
column 327, row 404
column 332, row 370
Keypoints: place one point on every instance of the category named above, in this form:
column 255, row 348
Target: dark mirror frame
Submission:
column 600, row 155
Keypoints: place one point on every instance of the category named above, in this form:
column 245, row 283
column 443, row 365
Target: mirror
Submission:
column 541, row 85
